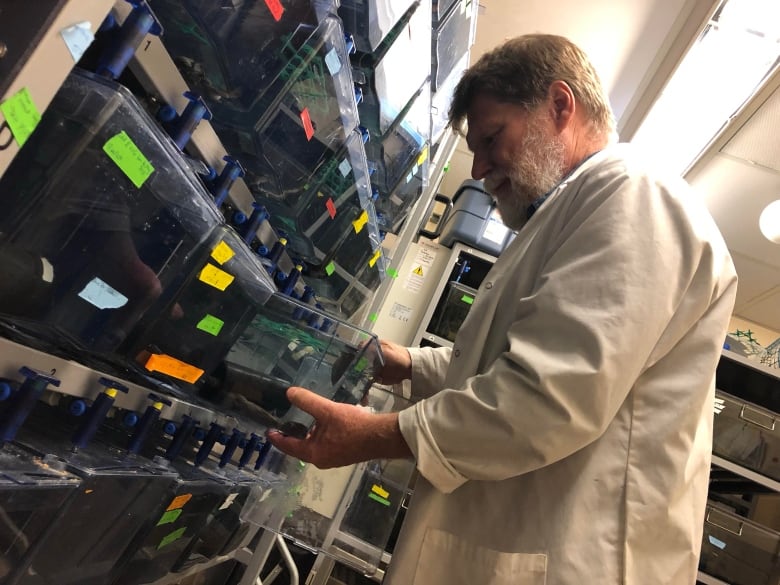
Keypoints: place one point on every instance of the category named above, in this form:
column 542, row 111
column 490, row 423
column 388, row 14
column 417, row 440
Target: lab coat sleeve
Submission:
column 429, row 366
column 626, row 275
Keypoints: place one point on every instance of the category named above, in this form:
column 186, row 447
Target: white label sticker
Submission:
column 495, row 231
column 401, row 312
column 229, row 500
column 716, row 542
column 102, row 295
column 332, row 61
column 345, row 167
column 77, row 38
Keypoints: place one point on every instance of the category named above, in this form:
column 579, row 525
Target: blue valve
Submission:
column 150, row 417
column 276, row 253
column 166, row 113
column 306, row 298
column 259, row 214
column 249, row 448
column 239, row 217
column 77, row 407
column 349, row 42
column 263, row 454
column 221, row 186
column 208, row 443
column 169, row 428
column 5, row 391
column 180, row 128
column 187, row 428
column 262, row 250
column 375, row 195
column 130, row 419
column 365, row 135
column 230, row 447
column 98, row 411
column 358, row 95
column 140, row 22
column 22, row 402
column 289, row 283
column 199, row 434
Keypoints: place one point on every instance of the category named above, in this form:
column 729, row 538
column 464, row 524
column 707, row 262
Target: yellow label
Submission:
column 178, row 502
column 170, row 366
column 111, row 392
column 375, row 257
column 378, row 490
column 222, row 252
column 215, row 277
column 360, row 222
column 423, row 156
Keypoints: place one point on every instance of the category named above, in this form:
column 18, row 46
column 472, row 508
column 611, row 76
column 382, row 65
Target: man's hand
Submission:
column 342, row 434
column 398, row 363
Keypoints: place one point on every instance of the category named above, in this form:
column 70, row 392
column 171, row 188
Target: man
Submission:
column 565, row 438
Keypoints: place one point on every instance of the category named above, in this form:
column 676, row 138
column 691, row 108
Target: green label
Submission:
column 373, row 317
column 21, row 114
column 392, row 272
column 467, row 299
column 361, row 364
column 210, row 324
column 378, row 498
column 173, row 536
column 330, row 268
column 169, row 517
column 122, row 150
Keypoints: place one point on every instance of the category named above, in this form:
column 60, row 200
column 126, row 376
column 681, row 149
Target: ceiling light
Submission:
column 769, row 222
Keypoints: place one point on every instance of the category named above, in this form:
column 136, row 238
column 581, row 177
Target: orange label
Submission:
column 170, row 366
column 179, row 501
column 308, row 127
column 276, row 8
column 331, row 207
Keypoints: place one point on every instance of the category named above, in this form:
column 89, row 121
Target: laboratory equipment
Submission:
column 100, row 215
column 474, row 220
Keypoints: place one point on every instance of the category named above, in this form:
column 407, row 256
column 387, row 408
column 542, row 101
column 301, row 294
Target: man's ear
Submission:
column 562, row 103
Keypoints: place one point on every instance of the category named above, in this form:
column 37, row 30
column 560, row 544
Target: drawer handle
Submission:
column 739, row 533
column 743, row 415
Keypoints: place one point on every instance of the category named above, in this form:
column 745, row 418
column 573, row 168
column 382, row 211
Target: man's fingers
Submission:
column 287, row 444
column 308, row 401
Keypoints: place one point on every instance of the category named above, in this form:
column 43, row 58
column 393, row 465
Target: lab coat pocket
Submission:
column 446, row 559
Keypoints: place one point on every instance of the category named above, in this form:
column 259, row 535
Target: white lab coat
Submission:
column 568, row 440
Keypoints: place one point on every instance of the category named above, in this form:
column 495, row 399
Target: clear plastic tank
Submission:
column 100, row 216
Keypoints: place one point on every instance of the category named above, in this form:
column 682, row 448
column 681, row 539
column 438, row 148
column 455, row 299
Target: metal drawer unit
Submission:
column 741, row 540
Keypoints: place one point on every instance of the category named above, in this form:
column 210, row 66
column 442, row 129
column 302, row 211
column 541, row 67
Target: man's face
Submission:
column 516, row 152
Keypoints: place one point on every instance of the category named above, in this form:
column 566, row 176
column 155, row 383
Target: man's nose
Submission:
column 480, row 166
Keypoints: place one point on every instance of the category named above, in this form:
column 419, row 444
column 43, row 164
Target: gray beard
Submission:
column 539, row 169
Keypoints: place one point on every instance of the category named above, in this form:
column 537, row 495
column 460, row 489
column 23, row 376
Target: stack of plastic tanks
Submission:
column 112, row 506
column 454, row 25
column 100, row 216
column 245, row 364
column 396, row 105
column 279, row 83
column 33, row 497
